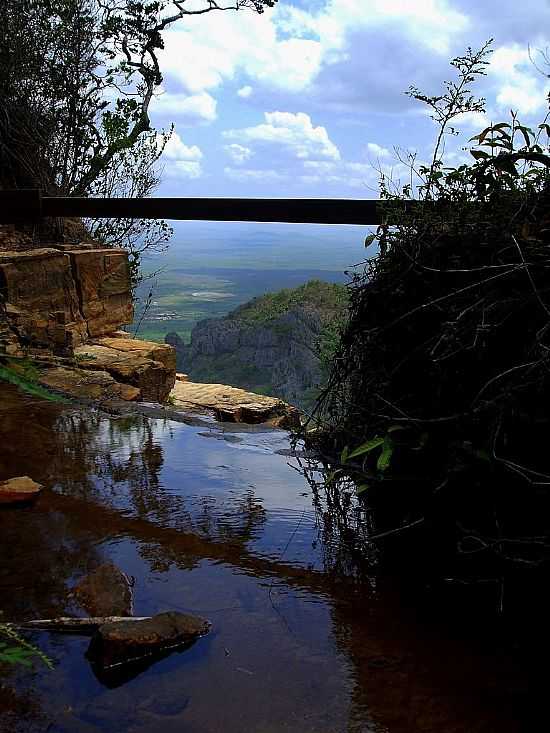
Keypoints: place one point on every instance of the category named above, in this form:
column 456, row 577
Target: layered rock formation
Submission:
column 230, row 404
column 61, row 305
column 148, row 366
column 66, row 300
column 55, row 298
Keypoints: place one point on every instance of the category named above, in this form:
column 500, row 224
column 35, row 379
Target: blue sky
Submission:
column 307, row 99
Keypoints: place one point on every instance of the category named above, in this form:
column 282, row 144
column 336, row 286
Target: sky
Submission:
column 307, row 99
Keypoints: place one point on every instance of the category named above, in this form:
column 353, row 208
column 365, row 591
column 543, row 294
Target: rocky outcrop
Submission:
column 278, row 356
column 55, row 298
column 230, row 404
column 67, row 300
column 148, row 366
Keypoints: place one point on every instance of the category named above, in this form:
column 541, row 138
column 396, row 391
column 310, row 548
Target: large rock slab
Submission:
column 19, row 489
column 147, row 349
column 80, row 383
column 149, row 366
column 122, row 642
column 103, row 278
column 40, row 299
column 231, row 404
column 56, row 297
column 106, row 591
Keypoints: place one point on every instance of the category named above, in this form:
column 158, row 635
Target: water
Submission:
column 219, row 523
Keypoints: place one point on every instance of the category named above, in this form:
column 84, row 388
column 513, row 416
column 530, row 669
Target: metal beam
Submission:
column 26, row 205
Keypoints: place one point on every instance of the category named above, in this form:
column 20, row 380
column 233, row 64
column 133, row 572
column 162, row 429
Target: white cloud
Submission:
column 183, row 161
column 183, row 169
column 250, row 174
column 176, row 149
column 286, row 47
column 377, row 150
column 293, row 133
column 238, row 153
column 199, row 107
column 519, row 85
column 244, row 92
column 323, row 166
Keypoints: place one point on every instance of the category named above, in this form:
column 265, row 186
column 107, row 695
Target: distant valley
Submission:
column 211, row 268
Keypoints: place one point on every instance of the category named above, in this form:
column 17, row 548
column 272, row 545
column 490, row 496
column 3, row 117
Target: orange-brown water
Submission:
column 219, row 524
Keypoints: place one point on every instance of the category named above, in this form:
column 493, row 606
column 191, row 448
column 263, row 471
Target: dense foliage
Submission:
column 326, row 299
column 436, row 403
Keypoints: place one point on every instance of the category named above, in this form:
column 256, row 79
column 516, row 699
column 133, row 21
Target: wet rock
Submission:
column 231, row 404
column 123, row 642
column 19, row 489
column 146, row 365
column 80, row 383
column 106, row 591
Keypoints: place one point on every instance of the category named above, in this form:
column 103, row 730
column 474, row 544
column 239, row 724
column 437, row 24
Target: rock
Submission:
column 231, row 404
column 180, row 377
column 19, row 489
column 147, row 349
column 106, row 591
column 149, row 366
column 79, row 383
column 129, row 641
column 41, row 299
column 55, row 297
column 103, row 278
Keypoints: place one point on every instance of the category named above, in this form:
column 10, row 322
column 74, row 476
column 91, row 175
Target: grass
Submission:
column 24, row 375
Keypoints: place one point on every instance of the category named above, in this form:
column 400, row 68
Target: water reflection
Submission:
column 302, row 640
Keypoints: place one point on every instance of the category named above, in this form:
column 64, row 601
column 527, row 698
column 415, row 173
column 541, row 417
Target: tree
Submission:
column 77, row 78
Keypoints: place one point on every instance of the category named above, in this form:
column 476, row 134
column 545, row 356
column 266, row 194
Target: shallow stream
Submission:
column 217, row 521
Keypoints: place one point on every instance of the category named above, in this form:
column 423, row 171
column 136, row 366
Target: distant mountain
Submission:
column 276, row 344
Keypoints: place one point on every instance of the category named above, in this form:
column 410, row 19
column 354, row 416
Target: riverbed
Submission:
column 218, row 521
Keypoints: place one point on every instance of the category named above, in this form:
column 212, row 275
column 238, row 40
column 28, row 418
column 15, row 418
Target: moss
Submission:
column 24, row 375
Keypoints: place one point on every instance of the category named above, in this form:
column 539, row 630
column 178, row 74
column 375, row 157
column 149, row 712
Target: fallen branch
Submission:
column 68, row 624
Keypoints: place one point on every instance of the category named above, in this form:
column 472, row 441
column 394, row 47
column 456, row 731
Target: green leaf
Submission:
column 369, row 240
column 479, row 154
column 344, row 454
column 527, row 134
column 385, row 457
column 367, row 447
column 505, row 164
column 362, row 488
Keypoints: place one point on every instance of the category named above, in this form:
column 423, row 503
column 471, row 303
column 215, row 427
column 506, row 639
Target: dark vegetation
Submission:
column 436, row 408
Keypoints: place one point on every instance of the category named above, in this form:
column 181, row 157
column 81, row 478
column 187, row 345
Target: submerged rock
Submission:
column 19, row 489
column 106, row 591
column 123, row 642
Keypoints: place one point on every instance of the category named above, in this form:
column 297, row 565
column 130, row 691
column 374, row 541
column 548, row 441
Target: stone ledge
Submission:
column 232, row 404
column 146, row 365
